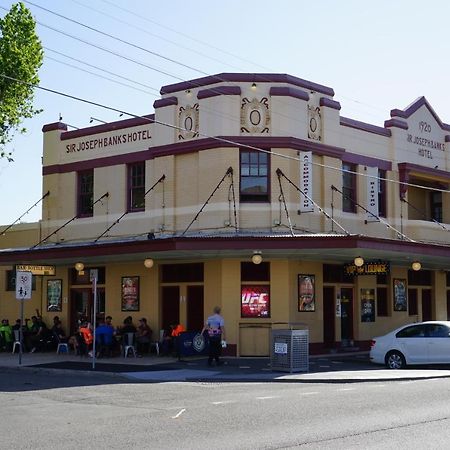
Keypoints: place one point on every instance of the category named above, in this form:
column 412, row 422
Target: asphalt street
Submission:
column 44, row 410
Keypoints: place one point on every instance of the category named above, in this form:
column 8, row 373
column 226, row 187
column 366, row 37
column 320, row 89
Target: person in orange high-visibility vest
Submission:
column 87, row 338
column 177, row 330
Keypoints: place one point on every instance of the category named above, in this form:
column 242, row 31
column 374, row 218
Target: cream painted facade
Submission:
column 196, row 212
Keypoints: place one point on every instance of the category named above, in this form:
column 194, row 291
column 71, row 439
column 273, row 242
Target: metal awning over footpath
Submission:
column 331, row 248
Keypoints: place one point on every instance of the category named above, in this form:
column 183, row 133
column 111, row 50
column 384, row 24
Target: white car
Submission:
column 416, row 343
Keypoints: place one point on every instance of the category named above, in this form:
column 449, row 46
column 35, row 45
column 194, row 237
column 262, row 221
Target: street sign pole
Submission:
column 23, row 292
column 21, row 332
column 94, row 277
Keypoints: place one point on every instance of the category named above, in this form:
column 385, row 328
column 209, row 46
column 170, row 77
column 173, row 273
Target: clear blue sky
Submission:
column 375, row 55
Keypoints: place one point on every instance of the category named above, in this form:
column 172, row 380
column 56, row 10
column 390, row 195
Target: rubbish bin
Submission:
column 290, row 350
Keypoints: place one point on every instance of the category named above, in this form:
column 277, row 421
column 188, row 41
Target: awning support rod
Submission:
column 388, row 225
column 26, row 212
column 314, row 203
column 229, row 172
column 67, row 223
column 126, row 212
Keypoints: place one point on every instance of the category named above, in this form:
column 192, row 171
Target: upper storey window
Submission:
column 85, row 190
column 136, row 187
column 254, row 182
column 349, row 187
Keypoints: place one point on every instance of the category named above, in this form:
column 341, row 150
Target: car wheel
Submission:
column 395, row 360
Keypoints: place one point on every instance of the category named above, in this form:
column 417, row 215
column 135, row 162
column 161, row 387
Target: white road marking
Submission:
column 346, row 389
column 223, row 402
column 308, row 393
column 378, row 385
column 267, row 398
column 244, row 367
column 179, row 414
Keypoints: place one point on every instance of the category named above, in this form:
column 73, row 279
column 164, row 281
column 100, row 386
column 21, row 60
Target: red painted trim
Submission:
column 283, row 91
column 246, row 78
column 106, row 127
column 189, row 245
column 411, row 109
column 357, row 125
column 168, row 101
column 54, row 126
column 127, row 158
column 369, row 161
column 396, row 123
column 219, row 90
column 409, row 167
column 333, row 104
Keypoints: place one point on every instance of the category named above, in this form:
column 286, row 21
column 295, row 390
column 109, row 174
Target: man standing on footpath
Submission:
column 215, row 325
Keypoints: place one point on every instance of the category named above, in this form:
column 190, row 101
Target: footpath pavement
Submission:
column 333, row 368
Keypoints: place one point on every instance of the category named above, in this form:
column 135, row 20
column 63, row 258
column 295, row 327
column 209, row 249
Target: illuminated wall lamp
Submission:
column 148, row 263
column 416, row 265
column 79, row 267
column 358, row 261
column 257, row 258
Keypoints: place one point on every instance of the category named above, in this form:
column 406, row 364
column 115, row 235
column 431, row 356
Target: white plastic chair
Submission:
column 156, row 344
column 128, row 345
column 16, row 340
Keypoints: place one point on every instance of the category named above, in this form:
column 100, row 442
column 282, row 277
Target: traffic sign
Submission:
column 23, row 285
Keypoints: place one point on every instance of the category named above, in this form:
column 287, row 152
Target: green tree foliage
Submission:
column 21, row 57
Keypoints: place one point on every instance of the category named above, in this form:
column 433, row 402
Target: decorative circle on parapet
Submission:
column 255, row 115
column 314, row 123
column 188, row 124
column 188, row 121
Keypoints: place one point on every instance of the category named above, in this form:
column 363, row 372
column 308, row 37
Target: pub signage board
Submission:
column 368, row 268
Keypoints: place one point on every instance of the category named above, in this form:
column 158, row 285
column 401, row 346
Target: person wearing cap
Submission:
column 143, row 337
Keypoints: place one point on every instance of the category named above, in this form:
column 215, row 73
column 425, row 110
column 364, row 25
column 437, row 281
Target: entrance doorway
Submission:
column 346, row 316
column 194, row 311
column 170, row 307
column 426, row 305
column 328, row 317
column 82, row 306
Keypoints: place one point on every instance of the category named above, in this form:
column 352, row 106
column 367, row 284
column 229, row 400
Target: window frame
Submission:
column 82, row 209
column 135, row 189
column 349, row 190
column 254, row 197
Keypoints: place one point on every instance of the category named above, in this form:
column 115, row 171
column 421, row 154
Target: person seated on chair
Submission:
column 169, row 344
column 6, row 335
column 143, row 337
column 58, row 333
column 40, row 334
column 86, row 339
column 128, row 326
column 104, row 338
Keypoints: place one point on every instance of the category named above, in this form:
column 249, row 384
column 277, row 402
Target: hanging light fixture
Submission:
column 416, row 265
column 79, row 267
column 148, row 263
column 358, row 261
column 257, row 257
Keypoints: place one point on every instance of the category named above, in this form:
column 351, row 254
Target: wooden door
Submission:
column 329, row 317
column 170, row 306
column 195, row 312
column 427, row 313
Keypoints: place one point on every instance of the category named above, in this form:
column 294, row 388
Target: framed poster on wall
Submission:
column 255, row 301
column 400, row 299
column 130, row 293
column 367, row 305
column 306, row 293
column 54, row 295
